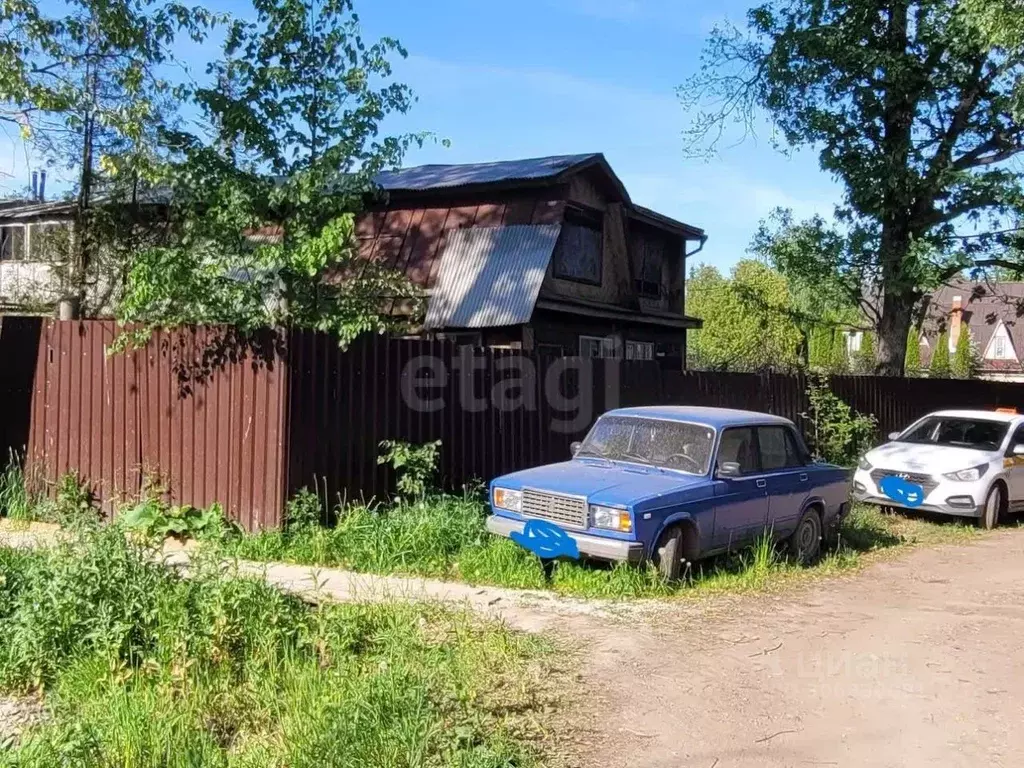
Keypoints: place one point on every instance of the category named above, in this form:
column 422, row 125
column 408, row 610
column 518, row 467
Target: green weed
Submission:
column 15, row 500
column 444, row 537
column 143, row 668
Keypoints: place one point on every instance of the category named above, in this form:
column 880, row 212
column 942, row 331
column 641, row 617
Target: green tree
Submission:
column 819, row 348
column 839, row 361
column 84, row 88
column 747, row 319
column 910, row 106
column 940, row 365
column 865, row 356
column 964, row 364
column 294, row 126
column 912, row 364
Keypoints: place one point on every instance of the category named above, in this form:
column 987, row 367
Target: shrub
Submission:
column 303, row 511
column 912, row 364
column 155, row 519
column 415, row 465
column 838, row 434
column 965, row 362
column 939, row 368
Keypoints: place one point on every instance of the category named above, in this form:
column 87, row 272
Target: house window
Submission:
column 639, row 350
column 597, row 346
column 648, row 260
column 12, row 243
column 580, row 248
column 853, row 341
column 1000, row 347
column 47, row 242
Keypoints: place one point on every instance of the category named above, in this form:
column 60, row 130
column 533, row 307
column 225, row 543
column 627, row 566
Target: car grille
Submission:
column 927, row 482
column 567, row 510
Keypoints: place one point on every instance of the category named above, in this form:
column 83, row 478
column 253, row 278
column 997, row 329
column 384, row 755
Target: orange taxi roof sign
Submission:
column 1006, row 410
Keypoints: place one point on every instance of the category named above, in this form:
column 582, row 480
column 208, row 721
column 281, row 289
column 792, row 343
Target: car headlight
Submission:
column 967, row 475
column 508, row 499
column 864, row 463
column 610, row 518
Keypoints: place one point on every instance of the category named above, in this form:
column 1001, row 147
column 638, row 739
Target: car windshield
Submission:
column 957, row 432
column 657, row 442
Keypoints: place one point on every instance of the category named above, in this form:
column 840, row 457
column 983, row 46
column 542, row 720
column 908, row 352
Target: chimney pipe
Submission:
column 42, row 186
column 35, row 185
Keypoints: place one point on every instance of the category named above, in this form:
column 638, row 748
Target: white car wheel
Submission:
column 993, row 506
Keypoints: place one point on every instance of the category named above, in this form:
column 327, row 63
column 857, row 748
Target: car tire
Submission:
column 993, row 508
column 805, row 543
column 667, row 554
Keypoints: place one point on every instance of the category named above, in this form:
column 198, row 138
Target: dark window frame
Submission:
column 649, row 289
column 589, row 219
column 7, row 242
column 756, row 448
column 792, row 448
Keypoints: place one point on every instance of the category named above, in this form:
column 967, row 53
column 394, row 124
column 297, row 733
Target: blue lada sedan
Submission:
column 674, row 484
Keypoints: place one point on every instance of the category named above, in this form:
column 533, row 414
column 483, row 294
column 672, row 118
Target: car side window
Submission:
column 1018, row 438
column 739, row 445
column 778, row 449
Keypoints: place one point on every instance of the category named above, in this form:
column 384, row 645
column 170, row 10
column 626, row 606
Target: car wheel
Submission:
column 805, row 543
column 993, row 507
column 666, row 553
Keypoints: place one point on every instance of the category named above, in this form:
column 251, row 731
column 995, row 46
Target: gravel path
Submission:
column 17, row 714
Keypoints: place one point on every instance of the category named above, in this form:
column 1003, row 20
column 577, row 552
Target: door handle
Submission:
column 761, row 483
column 803, row 476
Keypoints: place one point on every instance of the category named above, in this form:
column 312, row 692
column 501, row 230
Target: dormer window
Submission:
column 649, row 252
column 580, row 249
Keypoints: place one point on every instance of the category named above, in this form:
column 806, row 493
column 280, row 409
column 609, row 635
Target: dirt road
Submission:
column 916, row 662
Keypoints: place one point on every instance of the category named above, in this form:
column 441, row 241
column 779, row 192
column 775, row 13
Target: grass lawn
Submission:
column 139, row 667
column 444, row 537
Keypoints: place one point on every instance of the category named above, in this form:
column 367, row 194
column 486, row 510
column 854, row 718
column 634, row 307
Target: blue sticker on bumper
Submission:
column 901, row 491
column 546, row 540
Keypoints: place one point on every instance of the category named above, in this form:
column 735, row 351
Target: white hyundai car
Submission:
column 966, row 463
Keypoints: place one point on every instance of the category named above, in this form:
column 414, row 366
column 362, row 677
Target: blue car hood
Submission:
column 601, row 483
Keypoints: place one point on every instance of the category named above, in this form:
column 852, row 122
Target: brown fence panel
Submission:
column 198, row 414
column 247, row 422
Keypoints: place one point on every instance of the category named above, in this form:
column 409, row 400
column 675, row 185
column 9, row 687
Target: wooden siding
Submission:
column 411, row 237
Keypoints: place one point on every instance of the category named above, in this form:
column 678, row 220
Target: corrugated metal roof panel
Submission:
column 443, row 176
column 491, row 276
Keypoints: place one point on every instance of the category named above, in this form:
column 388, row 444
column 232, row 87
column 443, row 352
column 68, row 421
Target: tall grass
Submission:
column 143, row 668
column 444, row 537
column 15, row 502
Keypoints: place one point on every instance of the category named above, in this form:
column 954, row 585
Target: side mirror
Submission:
column 729, row 469
column 574, row 447
column 893, row 435
column 1018, row 449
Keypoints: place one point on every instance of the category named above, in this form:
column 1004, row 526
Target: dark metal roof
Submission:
column 426, row 177
column 661, row 220
column 491, row 276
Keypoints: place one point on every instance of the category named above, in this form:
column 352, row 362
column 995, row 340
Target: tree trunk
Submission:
column 898, row 293
column 71, row 304
column 893, row 328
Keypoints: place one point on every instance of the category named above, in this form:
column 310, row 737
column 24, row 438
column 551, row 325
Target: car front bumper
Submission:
column 866, row 492
column 596, row 547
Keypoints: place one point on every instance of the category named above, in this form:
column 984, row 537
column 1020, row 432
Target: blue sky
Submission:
column 543, row 77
